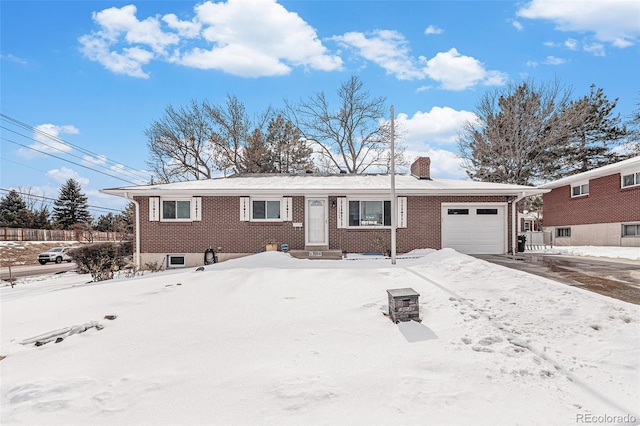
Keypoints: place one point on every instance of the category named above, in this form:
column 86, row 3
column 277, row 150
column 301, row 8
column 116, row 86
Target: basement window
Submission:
column 563, row 232
column 176, row 261
column 631, row 230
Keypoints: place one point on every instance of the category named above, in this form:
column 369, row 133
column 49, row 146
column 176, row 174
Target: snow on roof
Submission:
column 320, row 184
column 610, row 169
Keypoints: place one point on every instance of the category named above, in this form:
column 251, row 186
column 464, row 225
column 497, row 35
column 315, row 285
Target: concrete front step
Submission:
column 317, row 254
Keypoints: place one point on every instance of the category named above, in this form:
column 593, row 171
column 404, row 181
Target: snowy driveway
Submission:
column 613, row 277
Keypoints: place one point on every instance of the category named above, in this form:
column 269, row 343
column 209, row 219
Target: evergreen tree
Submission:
column 13, row 211
column 595, row 131
column 288, row 151
column 39, row 218
column 71, row 206
column 106, row 223
column 632, row 144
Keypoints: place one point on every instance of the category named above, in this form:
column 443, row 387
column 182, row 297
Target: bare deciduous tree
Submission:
column 179, row 147
column 354, row 137
column 519, row 134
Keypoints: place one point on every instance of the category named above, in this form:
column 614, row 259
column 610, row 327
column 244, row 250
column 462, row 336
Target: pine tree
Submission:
column 71, row 206
column 13, row 211
column 288, row 151
column 595, row 132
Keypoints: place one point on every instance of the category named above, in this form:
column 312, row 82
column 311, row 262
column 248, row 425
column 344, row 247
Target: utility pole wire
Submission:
column 126, row 169
column 68, row 161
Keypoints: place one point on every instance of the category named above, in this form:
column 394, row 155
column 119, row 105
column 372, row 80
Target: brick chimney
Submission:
column 421, row 168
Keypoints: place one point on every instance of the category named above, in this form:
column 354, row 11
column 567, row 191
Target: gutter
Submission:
column 136, row 258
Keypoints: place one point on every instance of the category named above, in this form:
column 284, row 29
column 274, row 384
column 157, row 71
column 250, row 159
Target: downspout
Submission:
column 137, row 254
column 514, row 222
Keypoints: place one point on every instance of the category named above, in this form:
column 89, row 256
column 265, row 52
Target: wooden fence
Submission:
column 25, row 234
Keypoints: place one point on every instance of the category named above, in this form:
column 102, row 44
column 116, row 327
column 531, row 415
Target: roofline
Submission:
column 123, row 192
column 608, row 170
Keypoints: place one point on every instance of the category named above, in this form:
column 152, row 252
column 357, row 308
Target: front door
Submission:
column 316, row 229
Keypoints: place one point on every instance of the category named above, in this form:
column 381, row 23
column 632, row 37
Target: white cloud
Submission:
column 188, row 29
column 459, row 72
column 99, row 160
column 531, row 64
column 517, row 25
column 241, row 37
column 432, row 29
column 129, row 62
column 388, row 49
column 439, row 126
column 13, row 58
column 571, row 44
column 610, row 21
column 47, row 137
column 597, row 49
column 63, row 174
column 445, row 164
column 552, row 60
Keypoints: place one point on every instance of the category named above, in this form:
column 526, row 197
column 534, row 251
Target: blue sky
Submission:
column 96, row 74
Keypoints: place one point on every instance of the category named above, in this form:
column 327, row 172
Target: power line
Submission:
column 122, row 167
column 61, row 150
column 42, row 197
column 68, row 161
column 23, row 165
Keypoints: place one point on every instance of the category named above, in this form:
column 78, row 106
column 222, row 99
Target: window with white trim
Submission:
column 265, row 209
column 631, row 179
column 580, row 190
column 369, row 213
column 631, row 230
column 176, row 209
column 563, row 232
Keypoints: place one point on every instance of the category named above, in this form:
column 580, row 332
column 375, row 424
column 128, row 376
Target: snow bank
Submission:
column 268, row 339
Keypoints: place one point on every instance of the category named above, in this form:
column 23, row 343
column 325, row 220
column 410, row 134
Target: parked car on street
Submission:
column 56, row 254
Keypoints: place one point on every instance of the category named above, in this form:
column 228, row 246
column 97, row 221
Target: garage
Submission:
column 474, row 228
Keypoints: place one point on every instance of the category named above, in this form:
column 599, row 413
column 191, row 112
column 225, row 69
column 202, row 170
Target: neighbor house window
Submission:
column 631, row 179
column 369, row 213
column 563, row 232
column 176, row 209
column 265, row 209
column 579, row 190
column 632, row 230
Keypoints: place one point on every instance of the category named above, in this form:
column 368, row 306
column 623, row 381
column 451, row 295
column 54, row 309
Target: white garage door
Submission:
column 474, row 228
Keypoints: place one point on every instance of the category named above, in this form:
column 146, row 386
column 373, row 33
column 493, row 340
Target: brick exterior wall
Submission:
column 607, row 202
column 222, row 229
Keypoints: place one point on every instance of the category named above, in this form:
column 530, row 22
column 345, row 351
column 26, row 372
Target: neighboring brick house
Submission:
column 249, row 213
column 600, row 207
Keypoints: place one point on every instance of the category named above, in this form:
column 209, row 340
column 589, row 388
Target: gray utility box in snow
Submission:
column 403, row 304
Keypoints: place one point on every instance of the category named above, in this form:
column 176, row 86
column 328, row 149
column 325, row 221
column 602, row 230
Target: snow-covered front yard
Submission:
column 268, row 339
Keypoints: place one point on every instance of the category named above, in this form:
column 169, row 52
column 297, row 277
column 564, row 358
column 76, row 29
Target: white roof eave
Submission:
column 124, row 192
